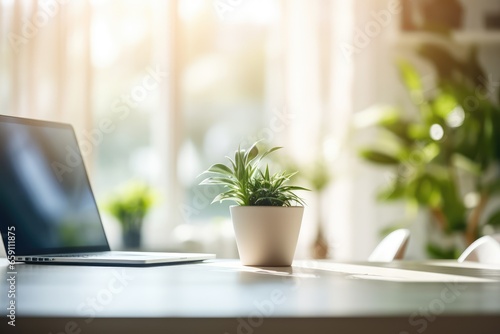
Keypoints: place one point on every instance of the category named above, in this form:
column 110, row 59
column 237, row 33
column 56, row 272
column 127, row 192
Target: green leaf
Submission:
column 131, row 203
column 452, row 203
column 378, row 157
column 220, row 169
column 294, row 188
column 219, row 181
column 251, row 153
column 418, row 131
column 394, row 191
column 426, row 191
column 247, row 184
column 440, row 252
column 410, row 76
column 377, row 115
column 494, row 219
column 221, row 198
column 443, row 105
column 430, row 152
column 493, row 187
column 462, row 162
column 270, row 151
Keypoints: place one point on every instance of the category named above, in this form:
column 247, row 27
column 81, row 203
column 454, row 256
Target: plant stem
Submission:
column 440, row 218
column 320, row 245
column 474, row 218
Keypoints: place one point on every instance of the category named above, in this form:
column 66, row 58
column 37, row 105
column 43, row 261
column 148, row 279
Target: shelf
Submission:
column 480, row 38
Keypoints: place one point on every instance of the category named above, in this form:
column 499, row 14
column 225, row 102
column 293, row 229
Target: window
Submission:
column 224, row 53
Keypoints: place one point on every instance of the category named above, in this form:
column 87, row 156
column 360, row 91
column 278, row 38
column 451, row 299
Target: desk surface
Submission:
column 224, row 297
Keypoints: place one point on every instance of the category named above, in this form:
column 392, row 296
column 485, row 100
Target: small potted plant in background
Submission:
column 268, row 214
column 317, row 178
column 129, row 206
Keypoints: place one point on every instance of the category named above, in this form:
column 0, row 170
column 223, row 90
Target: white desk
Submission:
column 223, row 297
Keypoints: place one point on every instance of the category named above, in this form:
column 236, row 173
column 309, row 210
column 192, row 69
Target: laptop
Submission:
column 48, row 212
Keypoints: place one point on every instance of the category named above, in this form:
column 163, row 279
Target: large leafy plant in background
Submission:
column 445, row 154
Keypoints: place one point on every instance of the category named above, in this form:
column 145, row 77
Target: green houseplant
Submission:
column 445, row 154
column 268, row 213
column 129, row 206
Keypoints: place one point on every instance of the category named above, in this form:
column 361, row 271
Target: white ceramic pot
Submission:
column 266, row 235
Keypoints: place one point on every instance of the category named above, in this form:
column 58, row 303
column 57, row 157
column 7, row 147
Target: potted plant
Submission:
column 446, row 155
column 268, row 214
column 129, row 206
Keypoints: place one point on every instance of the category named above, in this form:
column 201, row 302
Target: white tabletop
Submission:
column 222, row 296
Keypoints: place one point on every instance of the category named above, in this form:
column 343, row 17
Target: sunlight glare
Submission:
column 104, row 51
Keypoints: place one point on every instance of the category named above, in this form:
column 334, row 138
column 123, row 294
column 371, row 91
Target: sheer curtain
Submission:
column 323, row 86
column 46, row 52
column 375, row 82
column 313, row 90
column 70, row 61
column 47, row 49
column 307, row 69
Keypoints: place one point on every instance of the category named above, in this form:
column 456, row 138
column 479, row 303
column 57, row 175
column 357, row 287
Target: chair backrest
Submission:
column 392, row 247
column 483, row 250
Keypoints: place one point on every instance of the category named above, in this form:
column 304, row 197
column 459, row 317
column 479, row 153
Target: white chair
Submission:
column 392, row 247
column 483, row 250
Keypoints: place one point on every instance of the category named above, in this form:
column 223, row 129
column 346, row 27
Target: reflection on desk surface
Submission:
column 366, row 271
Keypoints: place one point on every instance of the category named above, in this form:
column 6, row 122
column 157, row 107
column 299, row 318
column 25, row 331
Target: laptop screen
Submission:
column 45, row 194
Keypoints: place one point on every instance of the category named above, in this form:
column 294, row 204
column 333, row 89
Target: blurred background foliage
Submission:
column 130, row 204
column 446, row 155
